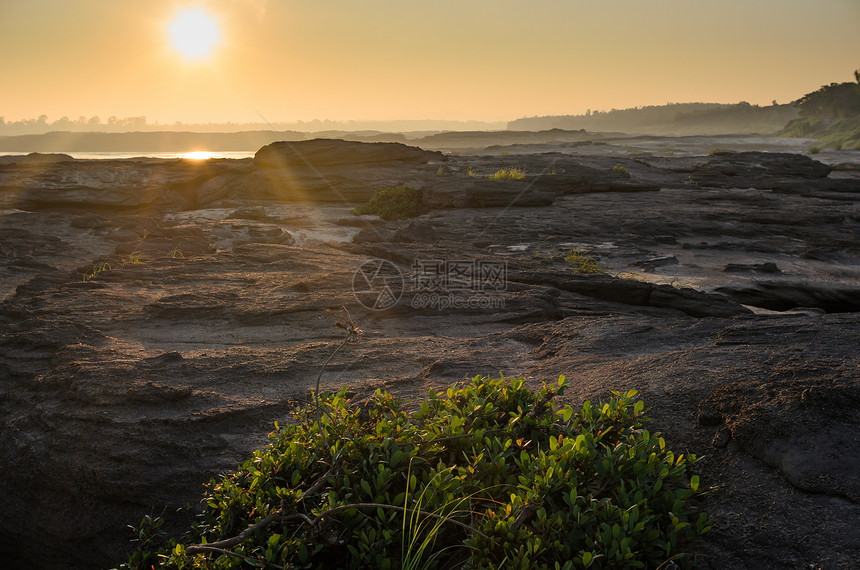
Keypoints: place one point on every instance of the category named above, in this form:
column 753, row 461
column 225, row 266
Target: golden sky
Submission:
column 404, row 59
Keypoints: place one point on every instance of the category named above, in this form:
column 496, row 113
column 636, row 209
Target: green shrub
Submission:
column 395, row 203
column 814, row 150
column 618, row 169
column 487, row 475
column 511, row 173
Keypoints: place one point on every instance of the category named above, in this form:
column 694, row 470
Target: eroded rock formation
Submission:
column 158, row 316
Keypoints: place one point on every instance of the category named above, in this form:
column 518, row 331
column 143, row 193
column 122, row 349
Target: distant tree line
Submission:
column 834, row 101
column 113, row 125
column 94, row 124
column 831, row 103
column 672, row 119
column 831, row 115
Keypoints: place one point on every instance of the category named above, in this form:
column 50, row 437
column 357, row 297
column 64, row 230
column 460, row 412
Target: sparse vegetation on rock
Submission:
column 621, row 171
column 511, row 173
column 397, row 203
column 582, row 260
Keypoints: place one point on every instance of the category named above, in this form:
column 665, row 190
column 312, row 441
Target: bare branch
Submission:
column 201, row 548
column 230, row 542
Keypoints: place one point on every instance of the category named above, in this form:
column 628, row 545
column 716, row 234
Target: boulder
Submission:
column 323, row 153
column 40, row 158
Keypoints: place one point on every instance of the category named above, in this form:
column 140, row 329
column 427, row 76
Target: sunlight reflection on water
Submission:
column 197, row 155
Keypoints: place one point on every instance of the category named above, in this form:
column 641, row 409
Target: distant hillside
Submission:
column 672, row 119
column 831, row 115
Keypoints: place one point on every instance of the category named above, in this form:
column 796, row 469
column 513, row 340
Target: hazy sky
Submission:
column 399, row 59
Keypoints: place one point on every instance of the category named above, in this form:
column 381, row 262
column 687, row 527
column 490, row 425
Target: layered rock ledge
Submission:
column 158, row 316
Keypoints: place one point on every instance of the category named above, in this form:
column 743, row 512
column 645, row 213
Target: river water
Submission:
column 148, row 154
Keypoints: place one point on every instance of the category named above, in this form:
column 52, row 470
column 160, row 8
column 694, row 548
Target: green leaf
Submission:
column 694, row 482
column 586, row 558
column 566, row 413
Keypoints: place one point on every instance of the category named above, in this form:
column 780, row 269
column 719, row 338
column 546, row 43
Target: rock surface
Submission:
column 158, row 316
column 326, row 153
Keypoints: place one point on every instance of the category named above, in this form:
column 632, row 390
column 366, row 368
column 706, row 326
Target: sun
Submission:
column 193, row 33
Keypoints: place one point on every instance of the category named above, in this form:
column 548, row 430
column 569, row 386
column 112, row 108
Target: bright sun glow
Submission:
column 193, row 33
column 196, row 155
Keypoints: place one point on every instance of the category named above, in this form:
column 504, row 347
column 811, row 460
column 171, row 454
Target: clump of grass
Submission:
column 469, row 171
column 512, row 173
column 620, row 170
column 582, row 261
column 97, row 268
column 490, row 473
column 443, row 170
column 397, row 203
column 814, row 150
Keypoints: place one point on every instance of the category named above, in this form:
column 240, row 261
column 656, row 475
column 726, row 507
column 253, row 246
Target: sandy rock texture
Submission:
column 156, row 318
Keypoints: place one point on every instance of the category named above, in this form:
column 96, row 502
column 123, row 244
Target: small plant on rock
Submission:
column 582, row 261
column 395, row 203
column 97, row 268
column 621, row 171
column 512, row 173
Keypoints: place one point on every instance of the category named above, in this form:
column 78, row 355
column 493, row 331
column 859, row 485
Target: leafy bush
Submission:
column 395, row 203
column 618, row 169
column 489, row 475
column 511, row 173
